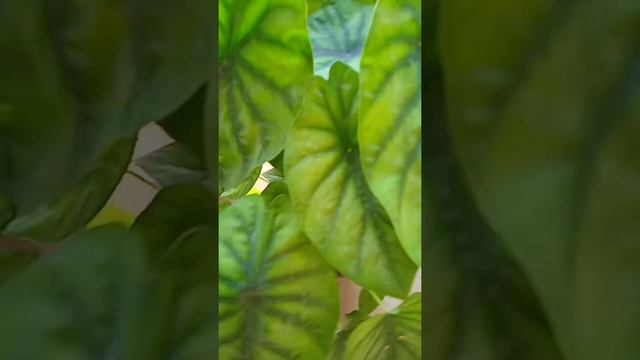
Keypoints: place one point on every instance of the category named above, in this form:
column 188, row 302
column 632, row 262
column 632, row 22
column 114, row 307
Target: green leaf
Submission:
column 243, row 188
column 16, row 254
column 273, row 190
column 338, row 30
column 77, row 76
column 175, row 211
column 265, row 65
column 76, row 207
column 277, row 162
column 278, row 297
column 6, row 210
column 396, row 335
column 178, row 230
column 389, row 131
column 173, row 164
column 366, row 302
column 84, row 300
column 337, row 210
column 545, row 128
column 273, row 175
column 112, row 214
column 185, row 125
column 482, row 305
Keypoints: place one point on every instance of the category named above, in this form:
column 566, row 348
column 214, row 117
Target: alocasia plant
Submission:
column 343, row 214
column 311, row 87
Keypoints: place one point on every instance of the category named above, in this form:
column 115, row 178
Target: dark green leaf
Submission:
column 366, row 302
column 86, row 300
column 338, row 30
column 276, row 162
column 390, row 125
column 337, row 210
column 176, row 211
column 76, row 76
column 278, row 297
column 178, row 230
column 173, row 164
column 543, row 100
column 76, row 207
column 6, row 210
column 185, row 125
column 15, row 254
column 392, row 336
column 482, row 304
column 265, row 65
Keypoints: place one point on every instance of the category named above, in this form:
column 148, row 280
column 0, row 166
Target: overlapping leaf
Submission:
column 77, row 76
column 83, row 301
column 278, row 297
column 392, row 336
column 545, row 127
column 74, row 208
column 173, row 164
column 245, row 186
column 265, row 64
column 338, row 30
column 178, row 231
column 389, row 129
column 338, row 211
column 480, row 303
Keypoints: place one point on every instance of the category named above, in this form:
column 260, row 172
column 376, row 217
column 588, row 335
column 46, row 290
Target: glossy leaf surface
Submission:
column 278, row 297
column 338, row 211
column 265, row 65
column 545, row 127
column 396, row 335
column 338, row 30
column 389, row 129
column 77, row 76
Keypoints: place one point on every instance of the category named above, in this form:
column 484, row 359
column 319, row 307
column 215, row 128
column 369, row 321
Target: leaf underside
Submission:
column 338, row 31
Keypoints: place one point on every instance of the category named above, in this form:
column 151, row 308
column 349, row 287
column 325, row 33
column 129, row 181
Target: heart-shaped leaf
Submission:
column 545, row 128
column 338, row 30
column 389, row 129
column 265, row 64
column 278, row 297
column 77, row 76
column 396, row 335
column 338, row 211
